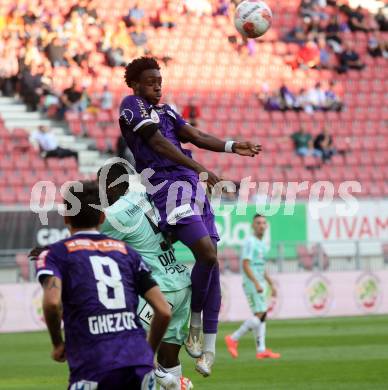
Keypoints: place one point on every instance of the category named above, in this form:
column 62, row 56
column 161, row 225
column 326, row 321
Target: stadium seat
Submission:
column 305, row 258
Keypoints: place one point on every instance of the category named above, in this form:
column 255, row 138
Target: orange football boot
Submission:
column 232, row 346
column 268, row 354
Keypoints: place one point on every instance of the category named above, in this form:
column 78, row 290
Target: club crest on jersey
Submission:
column 127, row 114
column 155, row 116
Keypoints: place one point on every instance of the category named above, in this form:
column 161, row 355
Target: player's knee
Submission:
column 256, row 321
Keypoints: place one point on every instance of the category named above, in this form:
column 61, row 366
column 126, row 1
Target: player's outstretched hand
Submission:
column 58, row 354
column 246, row 149
column 212, row 179
column 259, row 288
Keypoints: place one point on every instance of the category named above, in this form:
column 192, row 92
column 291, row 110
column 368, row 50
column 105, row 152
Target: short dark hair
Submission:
column 88, row 216
column 115, row 171
column 258, row 216
column 135, row 68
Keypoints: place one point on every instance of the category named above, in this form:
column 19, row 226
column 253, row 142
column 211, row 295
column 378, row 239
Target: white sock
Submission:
column 209, row 342
column 260, row 337
column 250, row 324
column 196, row 320
column 176, row 371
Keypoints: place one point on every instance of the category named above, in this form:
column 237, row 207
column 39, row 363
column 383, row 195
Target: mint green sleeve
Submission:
column 247, row 250
column 109, row 230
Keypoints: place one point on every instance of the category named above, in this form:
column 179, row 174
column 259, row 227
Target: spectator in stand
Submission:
column 84, row 101
column 106, row 99
column 287, row 98
column 332, row 100
column 139, row 36
column 191, row 113
column 135, row 16
column 324, row 53
column 31, row 86
column 50, row 104
column 382, row 18
column 349, row 59
column 115, row 56
column 48, row 145
column 303, row 143
column 297, row 35
column 309, row 8
column 303, row 101
column 8, row 70
column 308, row 55
column 70, row 100
column 360, row 20
column 55, row 51
column 316, row 97
column 377, row 48
column 324, row 143
column 333, row 30
column 221, row 8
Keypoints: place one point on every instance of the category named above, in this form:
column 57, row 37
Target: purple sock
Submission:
column 200, row 281
column 212, row 305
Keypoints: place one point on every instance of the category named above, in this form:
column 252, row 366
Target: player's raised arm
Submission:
column 188, row 133
column 52, row 310
column 163, row 146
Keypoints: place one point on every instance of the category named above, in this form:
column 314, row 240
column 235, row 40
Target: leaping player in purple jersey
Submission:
column 154, row 133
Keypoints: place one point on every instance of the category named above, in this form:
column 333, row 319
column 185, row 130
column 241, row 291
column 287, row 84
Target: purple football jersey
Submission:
column 100, row 287
column 135, row 112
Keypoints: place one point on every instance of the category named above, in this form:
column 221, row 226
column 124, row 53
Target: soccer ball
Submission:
column 253, row 18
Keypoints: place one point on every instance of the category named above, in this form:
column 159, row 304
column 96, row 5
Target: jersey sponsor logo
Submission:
column 179, row 213
column 146, row 312
column 368, row 292
column 82, row 244
column 142, row 109
column 168, row 261
column 155, row 116
column 127, row 115
column 112, row 323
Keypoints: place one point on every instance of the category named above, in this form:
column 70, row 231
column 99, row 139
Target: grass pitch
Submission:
column 319, row 354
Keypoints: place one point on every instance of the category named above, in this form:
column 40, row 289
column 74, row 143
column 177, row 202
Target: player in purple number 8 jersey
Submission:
column 154, row 133
column 93, row 282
